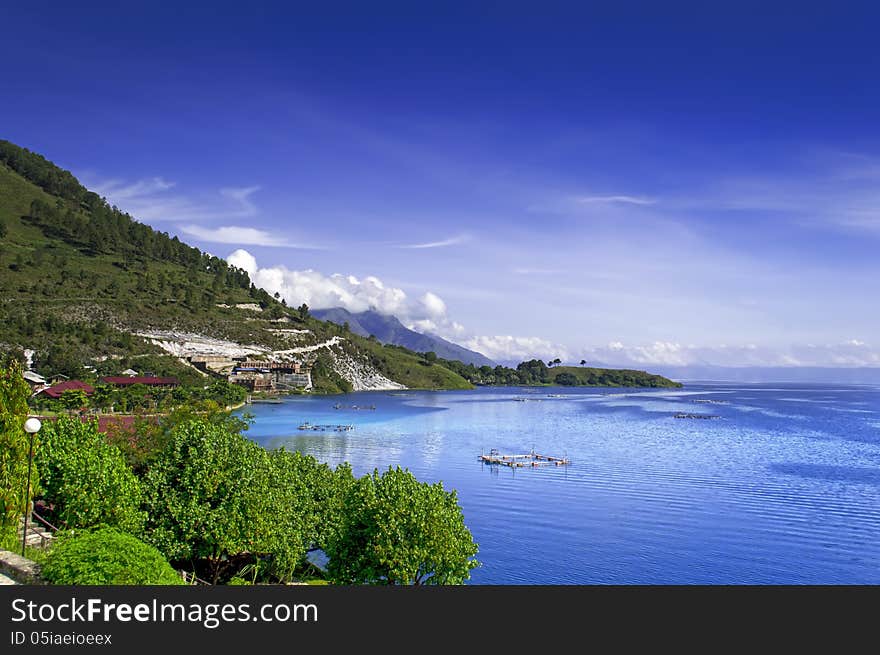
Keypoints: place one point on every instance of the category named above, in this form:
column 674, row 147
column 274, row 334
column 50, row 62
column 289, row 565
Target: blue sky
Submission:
column 649, row 184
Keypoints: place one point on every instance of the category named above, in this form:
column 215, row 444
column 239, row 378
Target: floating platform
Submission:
column 325, row 427
column 355, row 407
column 701, row 416
column 531, row 459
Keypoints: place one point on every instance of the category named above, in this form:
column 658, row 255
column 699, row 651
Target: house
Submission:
column 56, row 390
column 58, row 377
column 149, row 381
column 35, row 380
column 131, row 373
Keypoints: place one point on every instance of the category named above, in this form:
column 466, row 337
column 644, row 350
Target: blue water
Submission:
column 783, row 488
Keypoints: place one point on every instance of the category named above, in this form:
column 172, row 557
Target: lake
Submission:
column 782, row 488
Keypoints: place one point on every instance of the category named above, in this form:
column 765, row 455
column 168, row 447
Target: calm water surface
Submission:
column 784, row 487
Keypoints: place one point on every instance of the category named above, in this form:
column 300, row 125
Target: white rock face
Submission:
column 361, row 375
column 185, row 344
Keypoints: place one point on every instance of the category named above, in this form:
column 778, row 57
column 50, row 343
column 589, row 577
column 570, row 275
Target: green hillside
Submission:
column 78, row 277
column 606, row 377
column 536, row 372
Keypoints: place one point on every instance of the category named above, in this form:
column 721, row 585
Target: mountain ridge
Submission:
column 387, row 328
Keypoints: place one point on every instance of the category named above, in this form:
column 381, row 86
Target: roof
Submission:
column 130, row 372
column 121, row 381
column 36, row 378
column 56, row 390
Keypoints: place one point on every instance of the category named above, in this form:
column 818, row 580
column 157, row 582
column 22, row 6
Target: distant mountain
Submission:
column 388, row 329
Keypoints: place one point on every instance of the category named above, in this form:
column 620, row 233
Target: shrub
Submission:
column 397, row 530
column 14, row 447
column 107, row 556
column 86, row 479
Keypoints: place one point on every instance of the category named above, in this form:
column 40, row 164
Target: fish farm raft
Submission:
column 325, row 428
column 531, row 459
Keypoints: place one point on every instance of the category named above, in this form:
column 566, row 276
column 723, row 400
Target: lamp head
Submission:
column 32, row 425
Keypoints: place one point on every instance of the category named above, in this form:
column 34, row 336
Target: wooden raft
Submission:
column 520, row 461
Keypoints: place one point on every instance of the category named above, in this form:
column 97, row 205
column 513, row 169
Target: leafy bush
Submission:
column 219, row 501
column 209, row 499
column 107, row 557
column 14, row 446
column 86, row 479
column 397, row 530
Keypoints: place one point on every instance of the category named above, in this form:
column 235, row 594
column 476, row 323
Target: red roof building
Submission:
column 125, row 381
column 56, row 390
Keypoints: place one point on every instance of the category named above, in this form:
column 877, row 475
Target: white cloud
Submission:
column 152, row 200
column 452, row 241
column 537, row 271
column 321, row 291
column 241, row 196
column 426, row 313
column 663, row 353
column 629, row 200
column 241, row 236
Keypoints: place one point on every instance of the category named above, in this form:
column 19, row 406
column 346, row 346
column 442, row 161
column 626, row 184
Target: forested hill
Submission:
column 70, row 213
column 79, row 278
column 535, row 372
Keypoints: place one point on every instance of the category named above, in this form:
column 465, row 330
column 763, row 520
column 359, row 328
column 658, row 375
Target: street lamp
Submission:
column 31, row 426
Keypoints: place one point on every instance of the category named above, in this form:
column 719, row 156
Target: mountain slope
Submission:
column 388, row 329
column 81, row 280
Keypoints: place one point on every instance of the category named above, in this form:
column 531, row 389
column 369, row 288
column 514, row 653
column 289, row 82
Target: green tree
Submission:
column 74, row 399
column 583, row 362
column 3, row 230
column 397, row 530
column 303, row 312
column 209, row 499
column 14, row 447
column 86, row 479
column 567, row 379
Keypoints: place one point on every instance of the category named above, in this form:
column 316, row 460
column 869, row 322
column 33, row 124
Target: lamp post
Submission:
column 31, row 426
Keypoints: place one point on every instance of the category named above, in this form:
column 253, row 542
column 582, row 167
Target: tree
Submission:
column 86, row 479
column 303, row 312
column 74, row 399
column 567, row 379
column 3, row 230
column 14, row 448
column 397, row 530
column 210, row 501
column 583, row 362
column 430, row 357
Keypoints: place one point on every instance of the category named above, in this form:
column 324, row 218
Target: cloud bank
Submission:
column 429, row 313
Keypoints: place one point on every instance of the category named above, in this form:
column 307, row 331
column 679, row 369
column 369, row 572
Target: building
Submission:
column 279, row 367
column 130, row 373
column 58, row 377
column 35, row 380
column 149, row 381
column 216, row 364
column 56, row 390
column 256, row 375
